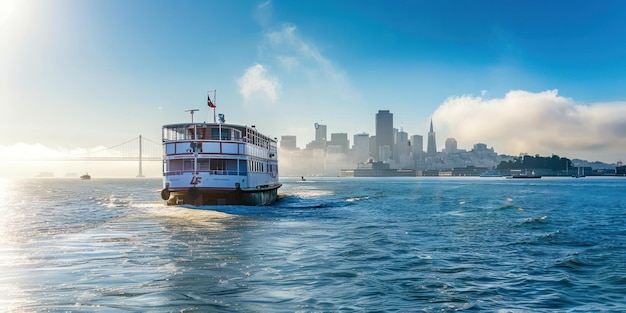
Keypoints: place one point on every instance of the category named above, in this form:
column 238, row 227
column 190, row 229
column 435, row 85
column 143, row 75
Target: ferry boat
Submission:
column 218, row 164
column 525, row 175
column 86, row 176
column 490, row 173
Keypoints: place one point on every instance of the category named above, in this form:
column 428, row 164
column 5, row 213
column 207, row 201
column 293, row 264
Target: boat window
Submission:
column 175, row 165
column 188, row 165
column 218, row 164
column 231, row 167
column 201, row 133
column 236, row 135
column 203, row 165
column 190, row 133
column 243, row 167
column 225, row 134
column 215, row 133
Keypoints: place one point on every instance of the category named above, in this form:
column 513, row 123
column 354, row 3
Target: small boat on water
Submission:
column 491, row 173
column 85, row 176
column 218, row 164
column 525, row 175
column 578, row 175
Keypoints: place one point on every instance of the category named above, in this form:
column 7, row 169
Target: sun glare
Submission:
column 9, row 9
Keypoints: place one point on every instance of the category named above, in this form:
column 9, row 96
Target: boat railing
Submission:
column 210, row 172
column 205, row 139
column 270, row 145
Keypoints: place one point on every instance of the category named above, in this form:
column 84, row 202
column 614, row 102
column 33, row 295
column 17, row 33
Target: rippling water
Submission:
column 330, row 244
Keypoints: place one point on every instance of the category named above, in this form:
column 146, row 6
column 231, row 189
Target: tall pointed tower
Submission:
column 432, row 143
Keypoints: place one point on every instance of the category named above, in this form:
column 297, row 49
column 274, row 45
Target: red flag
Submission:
column 210, row 103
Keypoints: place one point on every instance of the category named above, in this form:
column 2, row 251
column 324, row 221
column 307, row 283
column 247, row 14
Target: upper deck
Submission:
column 214, row 134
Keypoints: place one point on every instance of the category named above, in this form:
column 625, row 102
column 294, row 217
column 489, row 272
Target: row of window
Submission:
column 219, row 166
column 206, row 133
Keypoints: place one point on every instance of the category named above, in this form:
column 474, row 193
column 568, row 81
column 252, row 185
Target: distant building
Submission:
column 340, row 139
column 401, row 149
column 320, row 132
column 334, row 149
column 288, row 142
column 417, row 145
column 315, row 144
column 384, row 153
column 481, row 147
column 451, row 145
column 384, row 133
column 432, row 143
column 373, row 148
column 361, row 147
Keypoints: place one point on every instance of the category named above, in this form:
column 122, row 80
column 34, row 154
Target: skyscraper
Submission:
column 432, row 144
column 451, row 145
column 361, row 147
column 417, row 143
column 340, row 139
column 402, row 145
column 320, row 132
column 384, row 132
column 288, row 142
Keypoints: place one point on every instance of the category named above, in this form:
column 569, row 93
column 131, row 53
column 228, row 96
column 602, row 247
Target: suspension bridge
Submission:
column 138, row 149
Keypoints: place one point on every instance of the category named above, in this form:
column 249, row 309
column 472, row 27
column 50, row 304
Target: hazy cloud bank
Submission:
column 536, row 123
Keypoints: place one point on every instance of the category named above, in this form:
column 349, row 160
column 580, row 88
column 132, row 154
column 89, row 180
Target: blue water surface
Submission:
column 411, row 244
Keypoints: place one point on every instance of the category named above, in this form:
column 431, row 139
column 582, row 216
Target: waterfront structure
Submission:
column 384, row 134
column 432, row 143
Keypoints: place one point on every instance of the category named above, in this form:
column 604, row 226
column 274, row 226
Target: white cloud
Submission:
column 258, row 85
column 290, row 64
column 263, row 13
column 292, row 52
column 536, row 123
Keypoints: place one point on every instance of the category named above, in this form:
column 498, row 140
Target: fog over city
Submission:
column 537, row 123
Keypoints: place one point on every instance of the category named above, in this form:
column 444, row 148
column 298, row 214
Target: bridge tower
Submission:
column 140, row 158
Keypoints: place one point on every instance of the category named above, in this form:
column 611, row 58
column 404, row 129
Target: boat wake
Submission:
column 300, row 202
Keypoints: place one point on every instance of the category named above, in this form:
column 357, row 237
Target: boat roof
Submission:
column 203, row 124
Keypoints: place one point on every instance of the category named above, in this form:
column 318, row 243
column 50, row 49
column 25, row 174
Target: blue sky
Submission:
column 539, row 77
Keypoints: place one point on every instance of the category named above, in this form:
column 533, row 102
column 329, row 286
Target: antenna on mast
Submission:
column 192, row 111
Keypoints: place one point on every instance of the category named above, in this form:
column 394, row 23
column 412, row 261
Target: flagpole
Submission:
column 215, row 103
column 207, row 95
column 212, row 106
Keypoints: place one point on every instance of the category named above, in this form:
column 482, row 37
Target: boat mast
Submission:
column 194, row 145
column 192, row 111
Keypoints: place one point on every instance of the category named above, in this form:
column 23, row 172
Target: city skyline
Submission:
column 291, row 142
column 528, row 77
